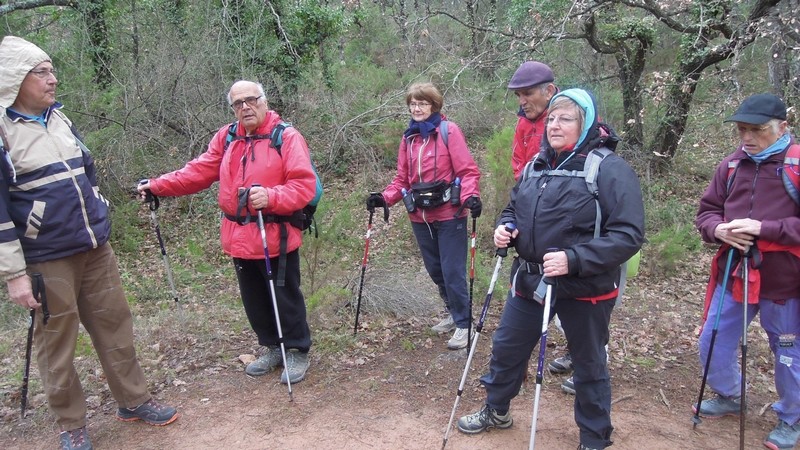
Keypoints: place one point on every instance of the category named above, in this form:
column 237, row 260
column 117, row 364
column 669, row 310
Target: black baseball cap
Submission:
column 759, row 109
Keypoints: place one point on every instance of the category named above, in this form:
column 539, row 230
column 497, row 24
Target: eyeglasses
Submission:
column 44, row 73
column 563, row 120
column 420, row 105
column 743, row 129
column 251, row 102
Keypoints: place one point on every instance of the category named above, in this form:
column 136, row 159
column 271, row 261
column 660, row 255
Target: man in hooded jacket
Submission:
column 54, row 221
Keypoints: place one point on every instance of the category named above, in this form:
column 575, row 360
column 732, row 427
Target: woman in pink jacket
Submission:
column 437, row 179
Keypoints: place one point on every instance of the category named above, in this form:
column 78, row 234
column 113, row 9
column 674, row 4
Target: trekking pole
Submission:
column 364, row 261
column 501, row 253
column 745, row 278
column 472, row 275
column 540, row 365
column 153, row 204
column 274, row 299
column 696, row 419
column 37, row 285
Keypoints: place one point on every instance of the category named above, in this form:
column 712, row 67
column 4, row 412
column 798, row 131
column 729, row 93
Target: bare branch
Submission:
column 33, row 4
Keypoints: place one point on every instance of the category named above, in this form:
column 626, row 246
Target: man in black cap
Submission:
column 532, row 83
column 748, row 204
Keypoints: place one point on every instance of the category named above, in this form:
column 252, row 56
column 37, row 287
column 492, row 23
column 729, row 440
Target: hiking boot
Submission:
column 76, row 439
column 483, row 420
column 445, row 326
column 459, row 340
column 269, row 360
column 296, row 365
column 568, row 386
column 151, row 412
column 583, row 447
column 561, row 365
column 784, row 436
column 719, row 406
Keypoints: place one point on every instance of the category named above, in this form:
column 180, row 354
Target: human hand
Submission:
column 555, row 264
column 375, row 200
column 259, row 197
column 475, row 206
column 144, row 191
column 502, row 237
column 738, row 233
column 21, row 293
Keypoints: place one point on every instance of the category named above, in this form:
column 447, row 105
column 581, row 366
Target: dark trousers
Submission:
column 257, row 301
column 443, row 245
column 586, row 328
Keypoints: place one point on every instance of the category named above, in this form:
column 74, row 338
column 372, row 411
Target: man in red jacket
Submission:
column 253, row 176
column 532, row 83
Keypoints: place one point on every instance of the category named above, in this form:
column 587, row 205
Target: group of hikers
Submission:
column 574, row 217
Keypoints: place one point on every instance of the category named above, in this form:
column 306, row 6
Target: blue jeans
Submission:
column 443, row 245
column 781, row 321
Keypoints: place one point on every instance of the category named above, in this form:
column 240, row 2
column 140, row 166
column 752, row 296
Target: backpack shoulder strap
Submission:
column 230, row 136
column 443, row 131
column 791, row 172
column 276, row 136
column 591, row 169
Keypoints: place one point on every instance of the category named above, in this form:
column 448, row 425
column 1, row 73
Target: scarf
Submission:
column 425, row 127
column 777, row 147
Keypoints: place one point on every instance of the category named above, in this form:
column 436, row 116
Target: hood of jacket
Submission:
column 19, row 57
column 594, row 134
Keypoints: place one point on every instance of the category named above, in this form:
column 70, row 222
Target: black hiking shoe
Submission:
column 151, row 412
column 483, row 420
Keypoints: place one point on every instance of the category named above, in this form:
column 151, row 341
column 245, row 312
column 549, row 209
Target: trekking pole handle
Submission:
column 151, row 199
column 503, row 252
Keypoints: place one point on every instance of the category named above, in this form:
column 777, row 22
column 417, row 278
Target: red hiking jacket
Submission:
column 288, row 177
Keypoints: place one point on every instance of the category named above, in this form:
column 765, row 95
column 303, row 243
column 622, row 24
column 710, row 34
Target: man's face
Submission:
column 38, row 90
column 756, row 138
column 249, row 105
column 534, row 100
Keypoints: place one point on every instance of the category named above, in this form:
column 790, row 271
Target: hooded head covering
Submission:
column 586, row 103
column 18, row 57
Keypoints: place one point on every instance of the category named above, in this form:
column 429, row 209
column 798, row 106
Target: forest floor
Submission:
column 394, row 387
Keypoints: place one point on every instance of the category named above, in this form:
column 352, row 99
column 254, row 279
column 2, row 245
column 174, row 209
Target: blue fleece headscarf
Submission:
column 585, row 102
column 779, row 146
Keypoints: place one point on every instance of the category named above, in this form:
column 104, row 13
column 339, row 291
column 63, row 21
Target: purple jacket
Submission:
column 757, row 192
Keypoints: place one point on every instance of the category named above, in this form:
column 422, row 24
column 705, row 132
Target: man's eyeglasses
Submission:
column 251, row 102
column 563, row 120
column 420, row 105
column 44, row 73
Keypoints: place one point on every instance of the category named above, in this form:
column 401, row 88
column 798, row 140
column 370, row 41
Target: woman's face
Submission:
column 420, row 109
column 563, row 127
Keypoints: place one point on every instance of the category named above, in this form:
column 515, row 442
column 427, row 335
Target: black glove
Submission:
column 375, row 200
column 475, row 206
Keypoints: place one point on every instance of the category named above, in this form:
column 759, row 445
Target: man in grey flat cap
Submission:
column 532, row 83
column 54, row 222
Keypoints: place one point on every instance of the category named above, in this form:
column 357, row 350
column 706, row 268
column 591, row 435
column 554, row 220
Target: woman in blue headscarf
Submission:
column 555, row 216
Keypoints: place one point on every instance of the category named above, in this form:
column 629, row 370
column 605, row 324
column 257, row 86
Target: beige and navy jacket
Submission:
column 50, row 206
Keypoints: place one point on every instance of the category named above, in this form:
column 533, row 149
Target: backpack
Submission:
column 303, row 219
column 591, row 169
column 790, row 170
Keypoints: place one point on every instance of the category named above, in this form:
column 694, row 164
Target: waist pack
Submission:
column 430, row 194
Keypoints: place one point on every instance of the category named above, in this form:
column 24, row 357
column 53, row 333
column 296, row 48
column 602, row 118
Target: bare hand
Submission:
column 739, row 233
column 21, row 293
column 259, row 197
column 143, row 188
column 502, row 237
column 555, row 264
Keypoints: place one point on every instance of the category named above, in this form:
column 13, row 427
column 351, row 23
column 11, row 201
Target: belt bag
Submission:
column 431, row 195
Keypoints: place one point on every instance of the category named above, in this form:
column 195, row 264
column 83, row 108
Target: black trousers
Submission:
column 586, row 328
column 257, row 301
